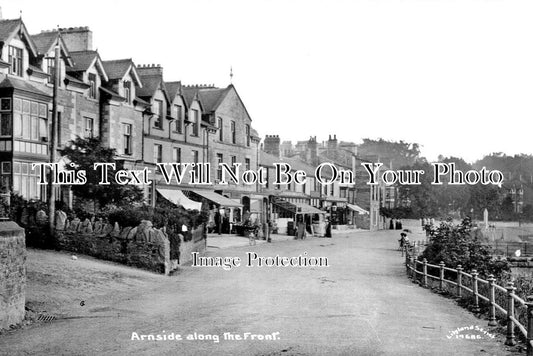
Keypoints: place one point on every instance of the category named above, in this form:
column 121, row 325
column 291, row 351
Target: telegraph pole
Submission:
column 53, row 140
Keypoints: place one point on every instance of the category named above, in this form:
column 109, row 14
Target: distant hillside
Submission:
column 517, row 167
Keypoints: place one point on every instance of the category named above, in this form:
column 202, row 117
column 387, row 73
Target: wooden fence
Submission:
column 421, row 271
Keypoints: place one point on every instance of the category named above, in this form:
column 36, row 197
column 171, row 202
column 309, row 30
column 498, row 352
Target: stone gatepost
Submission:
column 12, row 274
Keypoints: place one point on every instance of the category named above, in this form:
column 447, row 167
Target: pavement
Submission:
column 362, row 304
column 231, row 240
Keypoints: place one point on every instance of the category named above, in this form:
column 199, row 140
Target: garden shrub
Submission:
column 462, row 245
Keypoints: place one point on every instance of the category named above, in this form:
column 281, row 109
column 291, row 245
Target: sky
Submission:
column 454, row 76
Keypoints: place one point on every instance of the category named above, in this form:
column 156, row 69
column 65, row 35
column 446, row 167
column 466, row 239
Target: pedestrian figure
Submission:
column 268, row 228
column 301, row 228
column 218, row 220
column 403, row 240
column 251, row 237
column 328, row 229
column 391, row 225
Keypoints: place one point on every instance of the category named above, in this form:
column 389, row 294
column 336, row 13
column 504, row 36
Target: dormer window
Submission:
column 195, row 123
column 179, row 119
column 51, row 69
column 92, row 83
column 233, row 133
column 127, row 92
column 158, row 111
column 15, row 59
column 220, row 129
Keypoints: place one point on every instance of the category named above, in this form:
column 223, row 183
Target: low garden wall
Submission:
column 196, row 244
column 12, row 274
column 142, row 246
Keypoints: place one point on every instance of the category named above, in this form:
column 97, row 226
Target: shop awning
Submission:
column 217, row 198
column 300, row 208
column 177, row 197
column 307, row 209
column 357, row 209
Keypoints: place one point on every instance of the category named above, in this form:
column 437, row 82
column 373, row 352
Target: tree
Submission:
column 527, row 212
column 423, row 198
column 507, row 208
column 484, row 197
column 398, row 153
column 453, row 199
column 83, row 153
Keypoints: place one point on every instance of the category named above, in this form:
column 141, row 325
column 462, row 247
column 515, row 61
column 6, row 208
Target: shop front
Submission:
column 289, row 216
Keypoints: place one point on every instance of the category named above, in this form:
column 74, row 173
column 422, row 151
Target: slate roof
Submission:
column 36, row 69
column 75, row 80
column 268, row 160
column 189, row 94
column 150, row 85
column 116, row 69
column 112, row 93
column 209, row 97
column 172, row 88
column 82, row 60
column 44, row 41
column 7, row 27
column 10, row 82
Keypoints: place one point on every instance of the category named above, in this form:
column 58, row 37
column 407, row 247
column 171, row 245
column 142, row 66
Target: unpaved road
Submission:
column 363, row 304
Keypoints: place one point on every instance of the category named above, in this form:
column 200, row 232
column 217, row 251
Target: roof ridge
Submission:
column 118, row 60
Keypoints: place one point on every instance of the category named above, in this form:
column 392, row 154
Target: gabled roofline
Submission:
column 98, row 61
column 197, row 98
column 180, row 94
column 238, row 96
column 22, row 29
column 63, row 47
column 160, row 85
column 221, row 99
column 134, row 74
column 164, row 88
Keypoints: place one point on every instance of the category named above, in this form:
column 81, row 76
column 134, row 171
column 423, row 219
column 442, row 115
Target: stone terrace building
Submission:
column 347, row 204
column 132, row 109
column 227, row 137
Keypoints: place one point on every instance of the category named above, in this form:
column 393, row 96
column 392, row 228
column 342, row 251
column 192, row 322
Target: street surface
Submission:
column 363, row 304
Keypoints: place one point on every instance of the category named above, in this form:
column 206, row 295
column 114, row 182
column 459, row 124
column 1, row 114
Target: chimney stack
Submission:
column 149, row 69
column 312, row 151
column 332, row 142
column 77, row 38
column 272, row 143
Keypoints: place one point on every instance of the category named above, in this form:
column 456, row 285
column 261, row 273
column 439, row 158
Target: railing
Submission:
column 418, row 271
column 508, row 248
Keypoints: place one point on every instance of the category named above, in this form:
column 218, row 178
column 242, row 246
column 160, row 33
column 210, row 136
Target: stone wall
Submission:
column 143, row 246
column 196, row 244
column 12, row 274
